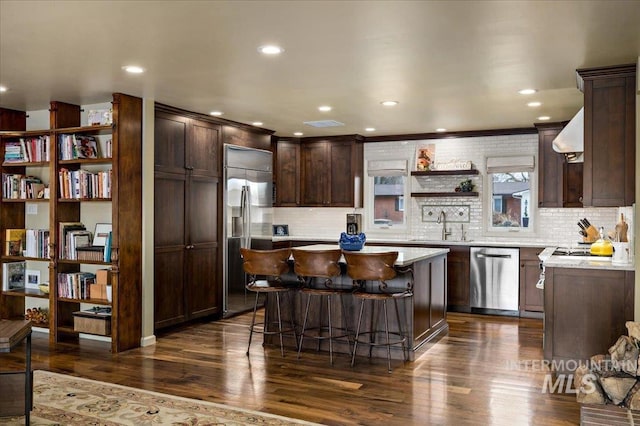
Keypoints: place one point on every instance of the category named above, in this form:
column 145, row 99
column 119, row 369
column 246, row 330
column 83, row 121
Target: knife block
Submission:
column 592, row 235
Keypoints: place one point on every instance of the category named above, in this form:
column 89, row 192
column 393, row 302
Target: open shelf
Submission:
column 444, row 194
column 101, row 160
column 89, row 301
column 26, row 292
column 25, row 164
column 445, row 172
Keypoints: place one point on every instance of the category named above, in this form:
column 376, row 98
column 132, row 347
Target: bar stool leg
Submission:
column 386, row 332
column 345, row 320
column 253, row 322
column 291, row 309
column 304, row 324
column 330, row 331
column 405, row 339
column 355, row 342
column 279, row 324
column 374, row 325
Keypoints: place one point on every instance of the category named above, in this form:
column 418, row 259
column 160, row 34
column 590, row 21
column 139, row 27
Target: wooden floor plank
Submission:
column 484, row 372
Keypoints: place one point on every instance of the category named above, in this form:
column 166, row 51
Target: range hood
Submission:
column 570, row 141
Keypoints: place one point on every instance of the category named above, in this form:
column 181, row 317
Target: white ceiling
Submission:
column 451, row 64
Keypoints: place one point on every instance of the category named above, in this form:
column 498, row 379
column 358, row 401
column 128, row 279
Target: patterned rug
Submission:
column 67, row 400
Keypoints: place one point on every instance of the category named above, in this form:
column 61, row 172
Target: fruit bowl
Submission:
column 44, row 288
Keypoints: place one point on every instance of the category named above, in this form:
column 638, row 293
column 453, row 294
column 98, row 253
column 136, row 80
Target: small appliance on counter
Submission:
column 354, row 223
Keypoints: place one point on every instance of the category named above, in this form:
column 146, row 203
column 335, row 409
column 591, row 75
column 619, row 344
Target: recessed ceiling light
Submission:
column 298, row 134
column 527, row 91
column 544, row 118
column 216, row 113
column 324, row 108
column 270, row 49
column 370, row 129
column 133, row 69
column 389, row 103
column 441, row 129
column 3, row 89
column 534, row 104
column 257, row 123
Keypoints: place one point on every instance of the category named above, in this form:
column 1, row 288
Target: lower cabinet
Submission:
column 531, row 297
column 458, row 279
column 585, row 313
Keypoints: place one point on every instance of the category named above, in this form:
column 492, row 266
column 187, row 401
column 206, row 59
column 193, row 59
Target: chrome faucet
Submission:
column 442, row 218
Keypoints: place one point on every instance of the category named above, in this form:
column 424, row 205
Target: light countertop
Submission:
column 582, row 262
column 421, row 242
column 406, row 255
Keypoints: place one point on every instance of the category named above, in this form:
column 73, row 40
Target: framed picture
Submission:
column 425, row 156
column 280, row 230
column 86, row 146
column 33, row 279
column 101, row 234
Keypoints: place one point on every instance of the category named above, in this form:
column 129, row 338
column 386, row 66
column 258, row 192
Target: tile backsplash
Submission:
column 554, row 225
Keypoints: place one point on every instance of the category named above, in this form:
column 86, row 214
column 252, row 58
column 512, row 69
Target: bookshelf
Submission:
column 116, row 199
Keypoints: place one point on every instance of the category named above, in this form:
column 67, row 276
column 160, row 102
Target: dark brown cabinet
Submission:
column 585, row 311
column 458, row 279
column 559, row 183
column 287, row 173
column 609, row 135
column 187, row 157
column 531, row 297
column 328, row 171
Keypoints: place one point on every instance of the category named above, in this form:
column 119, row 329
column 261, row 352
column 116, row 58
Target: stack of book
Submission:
column 37, row 243
column 73, row 147
column 27, row 150
column 78, row 184
column 15, row 241
column 75, row 285
column 20, row 187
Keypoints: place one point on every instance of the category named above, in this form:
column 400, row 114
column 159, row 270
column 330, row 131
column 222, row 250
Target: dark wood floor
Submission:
column 468, row 377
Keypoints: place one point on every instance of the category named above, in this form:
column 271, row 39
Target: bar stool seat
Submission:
column 269, row 265
column 321, row 267
column 377, row 267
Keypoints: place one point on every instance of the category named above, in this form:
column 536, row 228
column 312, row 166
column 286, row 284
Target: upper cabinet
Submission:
column 609, row 135
column 327, row 169
column 560, row 184
column 287, row 173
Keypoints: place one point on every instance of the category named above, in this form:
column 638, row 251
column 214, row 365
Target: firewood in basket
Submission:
column 588, row 390
column 617, row 386
column 633, row 329
column 624, row 355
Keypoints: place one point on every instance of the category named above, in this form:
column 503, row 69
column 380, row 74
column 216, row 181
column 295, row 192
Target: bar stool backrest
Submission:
column 316, row 263
column 271, row 263
column 371, row 266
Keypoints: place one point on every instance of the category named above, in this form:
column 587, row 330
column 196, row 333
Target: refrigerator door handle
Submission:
column 243, row 215
column 248, row 212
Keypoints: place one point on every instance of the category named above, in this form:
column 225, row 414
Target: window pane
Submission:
column 388, row 200
column 511, row 199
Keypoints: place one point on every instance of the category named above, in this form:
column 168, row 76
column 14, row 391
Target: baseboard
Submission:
column 148, row 340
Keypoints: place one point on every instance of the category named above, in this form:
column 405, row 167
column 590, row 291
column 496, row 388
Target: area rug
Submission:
column 66, row 400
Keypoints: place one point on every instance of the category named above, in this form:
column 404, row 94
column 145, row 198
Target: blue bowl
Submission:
column 352, row 242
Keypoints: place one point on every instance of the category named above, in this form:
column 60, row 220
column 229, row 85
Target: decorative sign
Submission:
column 453, row 214
column 452, row 165
column 425, row 156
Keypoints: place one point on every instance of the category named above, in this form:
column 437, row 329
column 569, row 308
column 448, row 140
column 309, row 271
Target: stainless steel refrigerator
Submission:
column 248, row 213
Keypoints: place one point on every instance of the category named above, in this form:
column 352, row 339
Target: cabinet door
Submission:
column 314, row 172
column 202, row 155
column 458, row 278
column 341, row 175
column 573, row 184
column 550, row 182
column 531, row 297
column 170, row 134
column 169, row 249
column 204, row 288
column 609, row 165
column 287, row 174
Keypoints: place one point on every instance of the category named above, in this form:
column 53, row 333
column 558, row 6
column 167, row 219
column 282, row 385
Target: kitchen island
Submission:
column 423, row 315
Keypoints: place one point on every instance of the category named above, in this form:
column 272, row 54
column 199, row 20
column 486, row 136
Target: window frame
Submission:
column 369, row 205
column 488, row 203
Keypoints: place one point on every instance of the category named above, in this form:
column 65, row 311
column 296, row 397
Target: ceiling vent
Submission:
column 324, row 123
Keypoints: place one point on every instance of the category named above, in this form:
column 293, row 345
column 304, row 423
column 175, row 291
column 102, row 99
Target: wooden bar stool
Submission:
column 377, row 267
column 269, row 265
column 320, row 267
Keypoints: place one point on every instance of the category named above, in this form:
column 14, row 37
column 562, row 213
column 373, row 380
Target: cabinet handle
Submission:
column 189, row 167
column 190, row 246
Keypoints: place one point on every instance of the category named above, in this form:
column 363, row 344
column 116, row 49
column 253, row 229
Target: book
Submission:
column 13, row 275
column 107, row 247
column 63, row 229
column 15, row 241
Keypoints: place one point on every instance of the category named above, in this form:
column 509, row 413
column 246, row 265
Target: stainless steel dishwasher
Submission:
column 494, row 279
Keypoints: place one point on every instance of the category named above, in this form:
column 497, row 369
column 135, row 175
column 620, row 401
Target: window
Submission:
column 510, row 192
column 386, row 188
